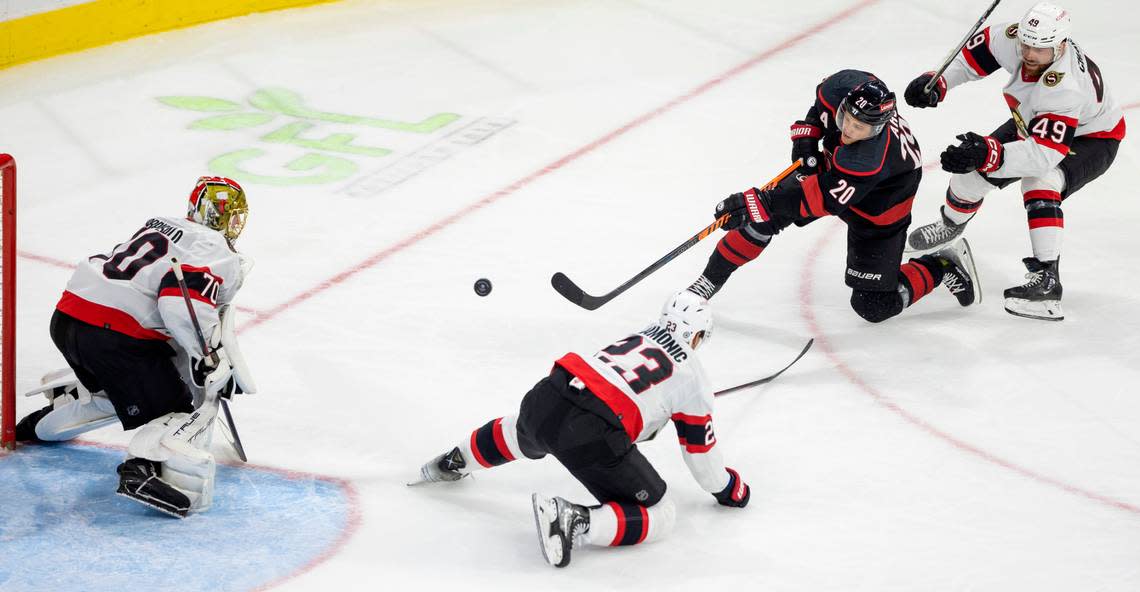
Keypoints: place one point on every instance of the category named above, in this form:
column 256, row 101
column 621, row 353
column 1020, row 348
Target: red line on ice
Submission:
column 512, row 188
column 822, row 343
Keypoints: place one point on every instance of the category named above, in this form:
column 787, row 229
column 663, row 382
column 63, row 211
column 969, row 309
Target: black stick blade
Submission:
column 570, row 291
column 767, row 379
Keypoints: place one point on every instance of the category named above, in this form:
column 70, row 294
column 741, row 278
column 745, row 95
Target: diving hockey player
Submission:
column 867, row 175
column 590, row 413
column 120, row 324
column 1065, row 131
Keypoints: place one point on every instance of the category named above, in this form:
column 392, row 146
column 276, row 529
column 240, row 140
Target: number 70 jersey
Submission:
column 132, row 290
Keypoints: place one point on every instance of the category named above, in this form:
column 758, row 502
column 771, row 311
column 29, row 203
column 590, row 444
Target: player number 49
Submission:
column 1058, row 130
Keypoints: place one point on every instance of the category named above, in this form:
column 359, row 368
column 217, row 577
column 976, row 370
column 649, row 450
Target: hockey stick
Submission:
column 236, row 442
column 570, row 291
column 766, row 379
column 954, row 54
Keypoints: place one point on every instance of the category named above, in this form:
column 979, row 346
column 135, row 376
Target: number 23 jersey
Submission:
column 133, row 291
column 649, row 379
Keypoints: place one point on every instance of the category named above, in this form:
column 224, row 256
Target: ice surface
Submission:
column 946, row 449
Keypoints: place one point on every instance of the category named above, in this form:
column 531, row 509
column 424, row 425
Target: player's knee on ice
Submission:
column 876, row 307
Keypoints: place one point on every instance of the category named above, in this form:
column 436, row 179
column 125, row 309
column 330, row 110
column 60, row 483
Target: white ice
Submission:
column 946, row 449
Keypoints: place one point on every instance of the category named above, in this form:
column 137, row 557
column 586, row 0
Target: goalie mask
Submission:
column 219, row 203
column 687, row 315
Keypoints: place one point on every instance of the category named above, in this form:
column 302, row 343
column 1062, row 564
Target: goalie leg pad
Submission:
column 179, row 443
column 71, row 417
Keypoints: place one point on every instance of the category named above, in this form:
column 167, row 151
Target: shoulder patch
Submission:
column 1052, row 78
column 1011, row 31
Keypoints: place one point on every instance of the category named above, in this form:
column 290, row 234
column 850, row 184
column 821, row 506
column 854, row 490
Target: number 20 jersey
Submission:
column 649, row 379
column 133, row 291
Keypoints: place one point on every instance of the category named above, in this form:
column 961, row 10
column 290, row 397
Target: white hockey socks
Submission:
column 1042, row 197
column 615, row 524
column 494, row 444
column 964, row 197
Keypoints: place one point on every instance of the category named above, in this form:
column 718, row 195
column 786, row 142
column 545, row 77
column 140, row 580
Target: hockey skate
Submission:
column 141, row 480
column 561, row 525
column 1040, row 296
column 934, row 235
column 444, row 467
column 960, row 276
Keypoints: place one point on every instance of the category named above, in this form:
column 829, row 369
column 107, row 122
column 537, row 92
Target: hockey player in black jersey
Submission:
column 867, row 174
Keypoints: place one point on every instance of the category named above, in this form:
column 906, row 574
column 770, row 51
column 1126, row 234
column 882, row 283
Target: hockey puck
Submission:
column 482, row 286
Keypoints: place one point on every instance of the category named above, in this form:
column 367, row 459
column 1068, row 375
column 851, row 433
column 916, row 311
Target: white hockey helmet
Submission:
column 686, row 315
column 1045, row 25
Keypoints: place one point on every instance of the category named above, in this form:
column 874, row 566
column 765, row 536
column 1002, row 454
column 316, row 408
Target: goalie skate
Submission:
column 140, row 480
column 561, row 527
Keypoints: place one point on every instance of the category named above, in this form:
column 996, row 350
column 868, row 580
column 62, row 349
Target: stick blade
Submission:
column 570, row 291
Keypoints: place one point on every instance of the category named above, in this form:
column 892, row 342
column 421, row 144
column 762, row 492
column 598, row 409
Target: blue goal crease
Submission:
column 63, row 528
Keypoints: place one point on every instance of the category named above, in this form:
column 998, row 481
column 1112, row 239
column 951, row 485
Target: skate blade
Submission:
column 967, row 256
column 1042, row 311
column 151, row 504
column 551, row 546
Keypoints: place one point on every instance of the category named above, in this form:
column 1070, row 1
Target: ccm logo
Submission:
column 864, row 276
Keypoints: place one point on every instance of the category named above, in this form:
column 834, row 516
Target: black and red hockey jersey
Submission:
column 870, row 182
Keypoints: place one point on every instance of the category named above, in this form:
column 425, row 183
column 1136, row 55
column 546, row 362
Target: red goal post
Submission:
column 8, row 301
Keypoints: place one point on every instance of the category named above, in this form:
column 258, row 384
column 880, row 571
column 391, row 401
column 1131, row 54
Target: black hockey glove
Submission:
column 805, row 145
column 753, row 208
column 737, row 493
column 976, row 153
column 915, row 97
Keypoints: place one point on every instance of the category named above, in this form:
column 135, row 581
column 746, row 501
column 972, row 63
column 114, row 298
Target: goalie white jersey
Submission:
column 1069, row 100
column 649, row 379
column 133, row 291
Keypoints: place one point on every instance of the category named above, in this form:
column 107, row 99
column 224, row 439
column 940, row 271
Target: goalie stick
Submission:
column 768, row 378
column 570, row 291
column 950, row 57
column 236, row 440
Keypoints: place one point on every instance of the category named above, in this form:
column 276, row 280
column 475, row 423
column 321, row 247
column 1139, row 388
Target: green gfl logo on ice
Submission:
column 324, row 156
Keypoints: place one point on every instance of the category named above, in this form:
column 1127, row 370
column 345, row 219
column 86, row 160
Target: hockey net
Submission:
column 8, row 301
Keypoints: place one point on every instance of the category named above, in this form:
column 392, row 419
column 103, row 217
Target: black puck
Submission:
column 482, row 286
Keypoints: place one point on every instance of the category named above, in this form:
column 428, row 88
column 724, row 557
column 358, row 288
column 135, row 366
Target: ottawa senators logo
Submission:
column 1011, row 31
column 1052, row 78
